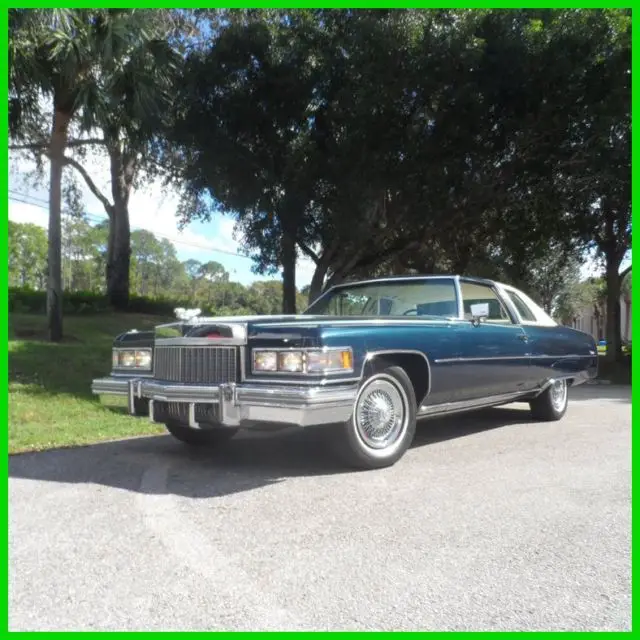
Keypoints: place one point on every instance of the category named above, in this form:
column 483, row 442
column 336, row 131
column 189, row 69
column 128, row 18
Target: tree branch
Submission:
column 90, row 183
column 310, row 252
column 44, row 146
column 624, row 272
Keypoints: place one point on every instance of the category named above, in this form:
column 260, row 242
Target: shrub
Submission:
column 24, row 300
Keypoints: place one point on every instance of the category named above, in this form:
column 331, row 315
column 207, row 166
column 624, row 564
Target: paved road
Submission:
column 489, row 522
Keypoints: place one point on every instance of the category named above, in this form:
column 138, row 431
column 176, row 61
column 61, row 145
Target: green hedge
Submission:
column 87, row 302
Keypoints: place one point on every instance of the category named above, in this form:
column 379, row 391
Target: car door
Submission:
column 494, row 356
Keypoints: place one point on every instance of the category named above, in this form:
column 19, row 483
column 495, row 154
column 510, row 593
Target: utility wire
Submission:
column 17, row 196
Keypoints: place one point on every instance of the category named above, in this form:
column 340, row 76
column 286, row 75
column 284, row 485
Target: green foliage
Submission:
column 27, row 245
column 160, row 282
column 577, row 296
column 412, row 140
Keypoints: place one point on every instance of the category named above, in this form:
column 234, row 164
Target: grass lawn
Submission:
column 50, row 400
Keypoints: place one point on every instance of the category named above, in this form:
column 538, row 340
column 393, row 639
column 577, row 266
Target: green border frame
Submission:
column 292, row 4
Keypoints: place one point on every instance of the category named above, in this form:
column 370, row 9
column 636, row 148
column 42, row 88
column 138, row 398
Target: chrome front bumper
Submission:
column 241, row 405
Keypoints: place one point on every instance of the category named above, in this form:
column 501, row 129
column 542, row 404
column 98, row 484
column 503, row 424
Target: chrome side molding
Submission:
column 469, row 405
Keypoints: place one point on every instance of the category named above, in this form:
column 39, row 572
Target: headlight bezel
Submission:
column 137, row 354
column 307, row 354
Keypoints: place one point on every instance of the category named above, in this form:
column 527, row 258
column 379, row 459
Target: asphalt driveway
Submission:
column 488, row 522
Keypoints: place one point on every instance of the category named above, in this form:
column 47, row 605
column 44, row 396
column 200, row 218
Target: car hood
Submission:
column 310, row 320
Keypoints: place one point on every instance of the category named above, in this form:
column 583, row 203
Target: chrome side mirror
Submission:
column 478, row 311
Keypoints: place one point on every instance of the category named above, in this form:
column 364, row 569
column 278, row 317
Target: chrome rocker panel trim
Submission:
column 426, row 411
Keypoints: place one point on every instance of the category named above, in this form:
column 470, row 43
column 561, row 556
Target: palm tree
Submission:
column 99, row 69
column 51, row 53
column 127, row 102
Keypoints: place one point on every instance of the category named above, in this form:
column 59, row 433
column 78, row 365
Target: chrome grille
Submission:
column 196, row 365
column 179, row 412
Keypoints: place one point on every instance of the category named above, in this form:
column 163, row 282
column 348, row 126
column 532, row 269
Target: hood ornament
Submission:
column 186, row 314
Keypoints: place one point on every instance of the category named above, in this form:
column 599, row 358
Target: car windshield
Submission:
column 400, row 298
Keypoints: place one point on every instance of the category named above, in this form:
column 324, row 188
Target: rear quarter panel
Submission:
column 562, row 351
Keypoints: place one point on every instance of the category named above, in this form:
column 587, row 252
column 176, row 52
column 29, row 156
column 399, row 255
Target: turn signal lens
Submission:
column 329, row 361
column 347, row 359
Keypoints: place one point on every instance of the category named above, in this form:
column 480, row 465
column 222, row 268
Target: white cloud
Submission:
column 152, row 208
column 27, row 213
column 304, row 271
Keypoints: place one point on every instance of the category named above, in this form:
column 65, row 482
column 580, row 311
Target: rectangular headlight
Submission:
column 131, row 359
column 292, row 361
column 302, row 361
column 265, row 361
column 143, row 359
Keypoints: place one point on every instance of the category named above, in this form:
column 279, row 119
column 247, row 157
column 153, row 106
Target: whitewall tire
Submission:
column 552, row 403
column 383, row 422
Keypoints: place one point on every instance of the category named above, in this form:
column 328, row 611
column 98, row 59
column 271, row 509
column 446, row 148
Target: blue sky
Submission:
column 150, row 208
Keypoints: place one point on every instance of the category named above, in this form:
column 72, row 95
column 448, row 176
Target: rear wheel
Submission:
column 383, row 422
column 552, row 403
column 200, row 437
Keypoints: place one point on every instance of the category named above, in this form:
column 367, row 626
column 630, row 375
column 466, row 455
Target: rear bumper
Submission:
column 240, row 405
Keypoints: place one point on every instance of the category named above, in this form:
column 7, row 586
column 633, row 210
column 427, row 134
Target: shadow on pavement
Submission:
column 621, row 393
column 249, row 461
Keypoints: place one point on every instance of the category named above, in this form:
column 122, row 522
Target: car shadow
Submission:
column 249, row 461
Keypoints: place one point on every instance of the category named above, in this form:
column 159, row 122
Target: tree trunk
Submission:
column 627, row 318
column 315, row 288
column 613, row 310
column 120, row 259
column 54, row 281
column 119, row 251
column 288, row 273
column 335, row 279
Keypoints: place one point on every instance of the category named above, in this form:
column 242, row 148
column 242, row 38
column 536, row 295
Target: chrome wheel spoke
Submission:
column 559, row 394
column 380, row 414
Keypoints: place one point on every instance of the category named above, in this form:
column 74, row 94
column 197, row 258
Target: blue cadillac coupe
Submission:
column 369, row 358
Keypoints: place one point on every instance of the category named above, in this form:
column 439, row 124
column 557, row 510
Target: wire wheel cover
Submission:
column 559, row 394
column 380, row 414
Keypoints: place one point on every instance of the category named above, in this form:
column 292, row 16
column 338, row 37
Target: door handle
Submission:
column 524, row 337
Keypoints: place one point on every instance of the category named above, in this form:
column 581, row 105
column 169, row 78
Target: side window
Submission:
column 525, row 313
column 347, row 304
column 473, row 293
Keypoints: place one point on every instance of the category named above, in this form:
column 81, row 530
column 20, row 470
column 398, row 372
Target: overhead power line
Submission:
column 25, row 198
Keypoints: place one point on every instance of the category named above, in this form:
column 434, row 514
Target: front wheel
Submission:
column 552, row 403
column 383, row 422
column 200, row 437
